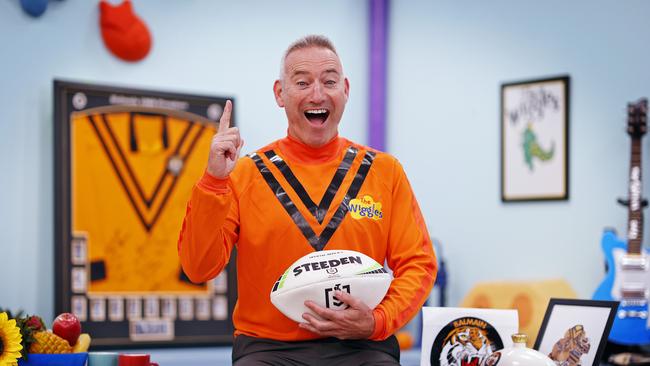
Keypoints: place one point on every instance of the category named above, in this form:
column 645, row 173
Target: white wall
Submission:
column 447, row 61
column 229, row 48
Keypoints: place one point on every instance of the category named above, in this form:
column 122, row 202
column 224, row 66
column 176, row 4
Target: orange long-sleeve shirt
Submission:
column 251, row 210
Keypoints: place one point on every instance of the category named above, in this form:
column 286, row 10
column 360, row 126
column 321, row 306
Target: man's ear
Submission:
column 347, row 89
column 277, row 91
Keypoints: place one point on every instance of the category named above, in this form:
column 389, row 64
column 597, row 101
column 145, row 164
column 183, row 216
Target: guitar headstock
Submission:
column 637, row 117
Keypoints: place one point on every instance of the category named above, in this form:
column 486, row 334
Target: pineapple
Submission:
column 47, row 342
column 28, row 325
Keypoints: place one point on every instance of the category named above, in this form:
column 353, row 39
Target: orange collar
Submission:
column 301, row 153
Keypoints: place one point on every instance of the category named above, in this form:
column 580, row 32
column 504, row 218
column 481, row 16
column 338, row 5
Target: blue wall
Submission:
column 230, row 48
column 446, row 62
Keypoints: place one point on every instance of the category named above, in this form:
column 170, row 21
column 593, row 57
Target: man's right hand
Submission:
column 225, row 147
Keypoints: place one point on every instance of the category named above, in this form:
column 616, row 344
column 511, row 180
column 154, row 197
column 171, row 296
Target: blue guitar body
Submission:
column 630, row 325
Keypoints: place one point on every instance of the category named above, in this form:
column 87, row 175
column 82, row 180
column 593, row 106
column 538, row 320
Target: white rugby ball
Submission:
column 317, row 275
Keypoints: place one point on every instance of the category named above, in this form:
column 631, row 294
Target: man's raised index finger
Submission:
column 224, row 122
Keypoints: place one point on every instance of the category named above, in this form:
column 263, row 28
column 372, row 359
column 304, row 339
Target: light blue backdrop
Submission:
column 446, row 62
column 230, row 48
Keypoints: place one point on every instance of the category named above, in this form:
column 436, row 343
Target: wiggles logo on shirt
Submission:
column 365, row 207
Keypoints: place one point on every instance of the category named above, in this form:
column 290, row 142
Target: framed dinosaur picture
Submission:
column 535, row 140
column 125, row 163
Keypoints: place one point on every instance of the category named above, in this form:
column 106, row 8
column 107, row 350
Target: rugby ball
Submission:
column 317, row 275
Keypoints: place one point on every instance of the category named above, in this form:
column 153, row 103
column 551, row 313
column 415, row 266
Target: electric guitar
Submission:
column 628, row 276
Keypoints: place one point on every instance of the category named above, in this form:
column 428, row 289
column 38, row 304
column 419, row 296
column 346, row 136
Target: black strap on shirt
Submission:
column 318, row 242
column 319, row 211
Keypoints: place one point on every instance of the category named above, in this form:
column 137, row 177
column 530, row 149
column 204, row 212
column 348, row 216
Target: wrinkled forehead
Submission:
column 312, row 60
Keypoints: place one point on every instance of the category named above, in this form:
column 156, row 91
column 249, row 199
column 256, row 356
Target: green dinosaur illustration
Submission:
column 532, row 148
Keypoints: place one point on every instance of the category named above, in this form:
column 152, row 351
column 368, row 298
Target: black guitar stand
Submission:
column 626, row 202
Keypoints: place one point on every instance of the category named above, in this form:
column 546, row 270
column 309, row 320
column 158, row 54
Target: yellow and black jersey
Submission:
column 132, row 173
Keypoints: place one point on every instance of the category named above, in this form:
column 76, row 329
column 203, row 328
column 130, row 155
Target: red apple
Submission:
column 67, row 326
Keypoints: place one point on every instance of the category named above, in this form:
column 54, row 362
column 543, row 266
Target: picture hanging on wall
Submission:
column 535, row 140
column 125, row 163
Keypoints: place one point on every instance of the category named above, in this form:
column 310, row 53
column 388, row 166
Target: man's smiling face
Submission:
column 313, row 92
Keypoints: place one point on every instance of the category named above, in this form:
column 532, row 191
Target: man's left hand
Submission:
column 355, row 322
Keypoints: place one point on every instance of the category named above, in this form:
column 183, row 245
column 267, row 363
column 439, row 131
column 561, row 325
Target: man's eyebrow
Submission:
column 304, row 72
column 298, row 73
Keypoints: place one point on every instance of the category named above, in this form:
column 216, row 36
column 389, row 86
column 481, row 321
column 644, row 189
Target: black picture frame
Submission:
column 563, row 316
column 534, row 139
column 160, row 318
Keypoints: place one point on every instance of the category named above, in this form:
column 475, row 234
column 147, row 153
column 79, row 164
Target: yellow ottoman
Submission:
column 530, row 298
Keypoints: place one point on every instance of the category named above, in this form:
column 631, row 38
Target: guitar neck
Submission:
column 635, row 209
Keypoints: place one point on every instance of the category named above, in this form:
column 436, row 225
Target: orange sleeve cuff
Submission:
column 214, row 185
column 380, row 324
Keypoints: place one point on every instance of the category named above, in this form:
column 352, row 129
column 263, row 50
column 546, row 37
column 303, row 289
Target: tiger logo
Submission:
column 465, row 342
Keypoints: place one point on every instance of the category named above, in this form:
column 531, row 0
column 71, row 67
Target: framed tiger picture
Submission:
column 125, row 163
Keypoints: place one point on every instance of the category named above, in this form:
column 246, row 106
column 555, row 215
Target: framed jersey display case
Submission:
column 125, row 162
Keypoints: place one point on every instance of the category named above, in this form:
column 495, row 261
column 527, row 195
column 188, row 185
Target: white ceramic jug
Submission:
column 518, row 355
